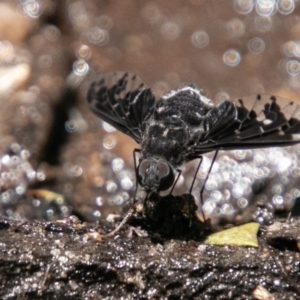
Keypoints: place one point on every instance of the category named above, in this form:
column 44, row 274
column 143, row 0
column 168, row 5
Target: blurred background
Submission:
column 57, row 158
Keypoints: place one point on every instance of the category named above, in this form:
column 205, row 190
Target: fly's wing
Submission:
column 122, row 100
column 255, row 121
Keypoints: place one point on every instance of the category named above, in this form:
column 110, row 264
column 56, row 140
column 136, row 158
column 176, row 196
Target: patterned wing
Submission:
column 122, row 100
column 256, row 121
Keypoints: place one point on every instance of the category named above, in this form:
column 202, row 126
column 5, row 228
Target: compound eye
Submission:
column 142, row 169
column 166, row 175
column 163, row 169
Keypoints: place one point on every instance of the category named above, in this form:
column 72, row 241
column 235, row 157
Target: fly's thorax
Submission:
column 155, row 174
column 167, row 139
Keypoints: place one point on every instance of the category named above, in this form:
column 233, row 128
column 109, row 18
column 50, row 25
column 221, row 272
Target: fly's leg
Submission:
column 190, row 206
column 179, row 173
column 197, row 170
column 135, row 151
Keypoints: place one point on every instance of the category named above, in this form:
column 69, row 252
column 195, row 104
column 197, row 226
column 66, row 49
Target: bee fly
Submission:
column 184, row 124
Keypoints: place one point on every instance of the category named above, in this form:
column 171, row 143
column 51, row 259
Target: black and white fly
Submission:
column 184, row 124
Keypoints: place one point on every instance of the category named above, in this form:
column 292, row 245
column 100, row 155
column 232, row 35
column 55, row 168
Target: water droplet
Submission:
column 263, row 23
column 83, row 52
column 6, row 160
column 243, row 6
column 70, row 126
column 242, row 202
column 222, row 96
column 285, row 7
column 15, row 147
column 117, row 164
column 126, row 183
column 235, row 28
column 151, row 13
column 200, row 39
column 6, row 50
column 227, row 209
column 20, row 189
column 240, row 154
column 209, row 206
column 36, row 202
column 118, row 200
column 75, row 171
column 107, row 127
column 290, row 48
column 25, row 154
column 80, row 67
column 111, row 186
column 99, row 201
column 216, row 195
column 277, row 189
column 97, row 214
column 265, row 7
column 160, row 88
column 49, row 213
column 78, row 15
column 32, row 8
column 256, row 45
column 170, row 31
column 44, row 61
column 109, row 142
column 237, row 191
column 51, row 32
column 217, row 212
column 125, row 196
column 232, row 58
column 293, row 67
column 296, row 172
column 5, row 176
column 98, row 36
column 277, row 200
column 15, row 160
column 211, row 184
column 104, row 22
column 5, row 197
column 226, row 194
column 295, row 193
column 40, row 176
column 98, row 181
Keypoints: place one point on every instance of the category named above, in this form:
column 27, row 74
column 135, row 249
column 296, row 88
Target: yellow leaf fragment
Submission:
column 244, row 235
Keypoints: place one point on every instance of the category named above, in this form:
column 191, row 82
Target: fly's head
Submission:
column 155, row 174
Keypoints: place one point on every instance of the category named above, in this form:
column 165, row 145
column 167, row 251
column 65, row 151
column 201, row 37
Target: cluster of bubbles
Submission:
column 19, row 202
column 234, row 28
column 263, row 21
column 115, row 184
column 251, row 179
column 116, row 181
column 263, row 12
column 264, row 7
column 16, row 173
column 98, row 34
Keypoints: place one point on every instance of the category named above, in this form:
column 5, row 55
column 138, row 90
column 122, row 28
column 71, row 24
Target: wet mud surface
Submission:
column 65, row 260
column 63, row 172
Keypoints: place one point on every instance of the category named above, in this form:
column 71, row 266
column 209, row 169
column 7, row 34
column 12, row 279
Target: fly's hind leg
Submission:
column 191, row 208
column 172, row 188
